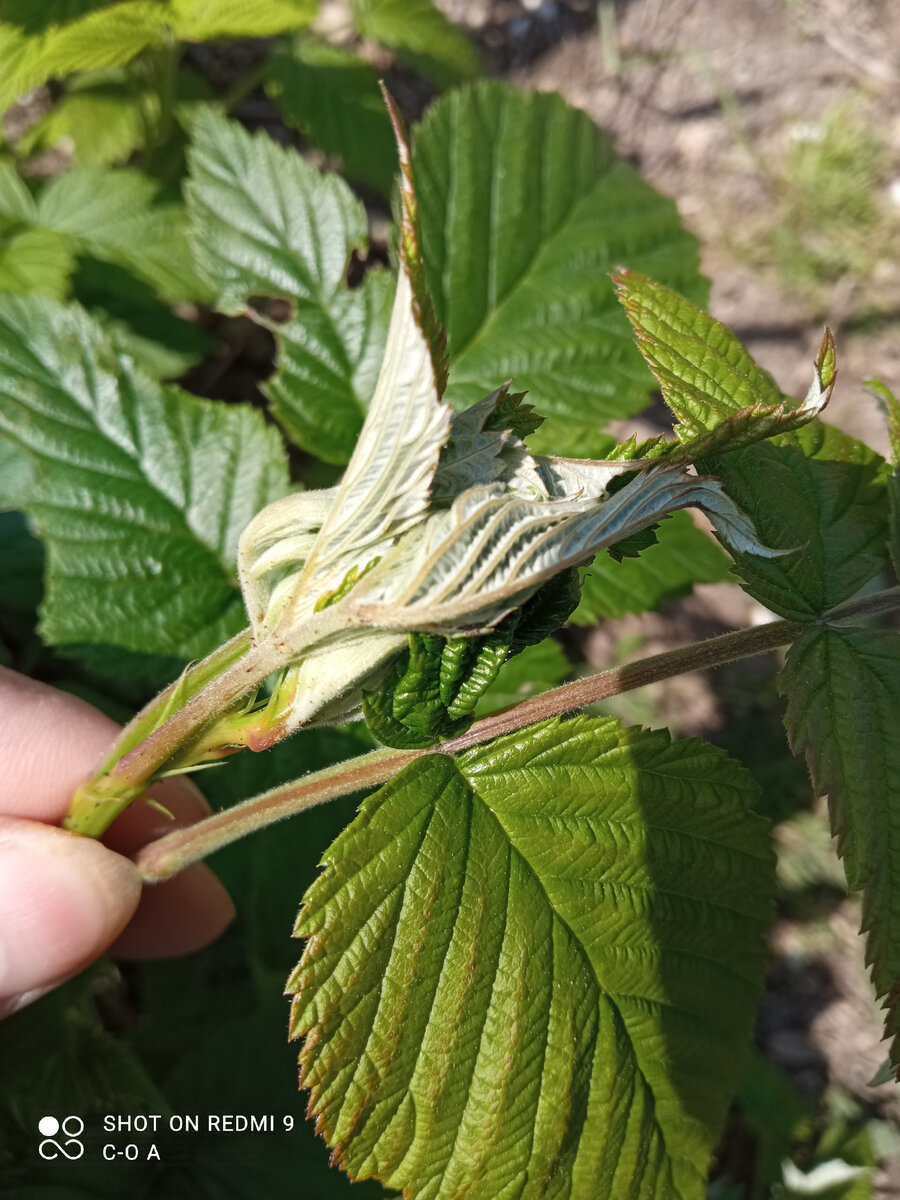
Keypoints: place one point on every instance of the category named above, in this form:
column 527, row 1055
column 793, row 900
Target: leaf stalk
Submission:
column 174, row 851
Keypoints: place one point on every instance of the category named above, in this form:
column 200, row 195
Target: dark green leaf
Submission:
column 818, row 493
column 811, row 491
column 333, row 98
column 136, row 321
column 892, row 412
column 142, row 491
column 421, row 35
column 682, row 556
column 524, row 209
column 534, row 971
column 843, row 712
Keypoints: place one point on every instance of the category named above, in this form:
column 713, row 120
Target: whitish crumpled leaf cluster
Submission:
column 444, row 524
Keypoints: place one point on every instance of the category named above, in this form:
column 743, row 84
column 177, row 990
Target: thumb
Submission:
column 63, row 898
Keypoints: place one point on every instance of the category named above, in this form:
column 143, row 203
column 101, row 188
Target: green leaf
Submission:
column 59, row 36
column 533, row 971
column 524, row 209
column 682, row 556
column 142, row 491
column 16, row 475
column 421, row 35
column 209, row 20
column 265, row 223
column 821, row 494
column 533, row 671
column 811, row 490
column 21, row 586
column 16, row 202
column 105, row 115
column 843, row 712
column 332, row 96
column 705, row 373
column 136, row 321
column 36, row 260
column 115, row 216
column 56, row 37
column 891, row 407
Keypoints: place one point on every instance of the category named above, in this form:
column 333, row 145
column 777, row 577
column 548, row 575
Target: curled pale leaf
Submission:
column 471, row 565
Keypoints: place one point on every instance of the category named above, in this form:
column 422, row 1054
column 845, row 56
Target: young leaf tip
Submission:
column 826, row 362
column 411, row 250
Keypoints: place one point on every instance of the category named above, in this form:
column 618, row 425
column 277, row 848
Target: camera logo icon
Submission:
column 70, row 1146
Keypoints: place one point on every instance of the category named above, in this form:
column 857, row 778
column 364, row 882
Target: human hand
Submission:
column 64, row 899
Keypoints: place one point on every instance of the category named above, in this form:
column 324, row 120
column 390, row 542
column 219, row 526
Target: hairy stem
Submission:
column 176, row 850
column 176, row 718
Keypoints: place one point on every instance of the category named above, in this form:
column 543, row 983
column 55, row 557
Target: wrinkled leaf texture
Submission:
column 532, row 971
column 141, row 492
column 267, row 224
column 525, row 209
column 843, row 712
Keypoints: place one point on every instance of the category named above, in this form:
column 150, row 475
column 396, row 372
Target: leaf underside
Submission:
column 843, row 712
column 530, row 972
column 682, row 556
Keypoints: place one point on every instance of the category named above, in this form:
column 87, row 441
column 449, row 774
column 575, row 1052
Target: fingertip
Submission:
column 64, row 899
column 177, row 917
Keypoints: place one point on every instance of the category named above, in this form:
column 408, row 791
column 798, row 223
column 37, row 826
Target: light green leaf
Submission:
column 97, row 116
column 843, row 712
column 209, row 20
column 114, row 216
column 105, row 115
column 265, row 223
column 36, row 260
column 705, row 373
column 682, row 556
column 142, row 491
column 332, row 96
column 533, row 971
column 16, row 475
column 38, row 42
column 421, row 35
column 525, row 209
column 16, row 202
